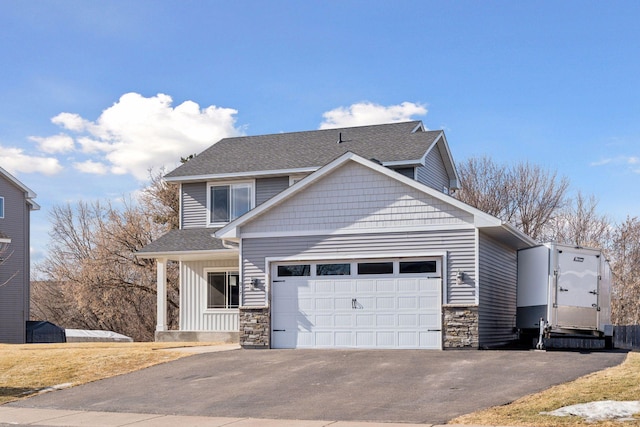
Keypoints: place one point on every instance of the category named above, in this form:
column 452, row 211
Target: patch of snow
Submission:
column 84, row 335
column 599, row 411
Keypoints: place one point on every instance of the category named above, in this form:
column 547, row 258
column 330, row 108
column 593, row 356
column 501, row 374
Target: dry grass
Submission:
column 26, row 369
column 618, row 383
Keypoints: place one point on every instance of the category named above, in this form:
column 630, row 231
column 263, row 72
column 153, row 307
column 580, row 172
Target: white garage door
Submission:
column 364, row 304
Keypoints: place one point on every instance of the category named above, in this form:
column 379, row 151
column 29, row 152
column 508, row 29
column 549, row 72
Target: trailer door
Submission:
column 577, row 290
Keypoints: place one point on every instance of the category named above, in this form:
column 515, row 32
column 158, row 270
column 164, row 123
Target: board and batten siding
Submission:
column 194, row 315
column 354, row 197
column 14, row 295
column 458, row 244
column 433, row 173
column 194, row 205
column 266, row 188
column 497, row 292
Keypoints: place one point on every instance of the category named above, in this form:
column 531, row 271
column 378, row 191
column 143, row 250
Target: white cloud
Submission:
column 72, row 122
column 92, row 167
column 632, row 162
column 54, row 144
column 367, row 113
column 137, row 133
column 14, row 160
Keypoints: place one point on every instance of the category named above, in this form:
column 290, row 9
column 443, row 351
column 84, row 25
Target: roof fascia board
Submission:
column 419, row 126
column 441, row 143
column 30, row 193
column 246, row 174
column 403, row 163
column 519, row 234
column 228, row 253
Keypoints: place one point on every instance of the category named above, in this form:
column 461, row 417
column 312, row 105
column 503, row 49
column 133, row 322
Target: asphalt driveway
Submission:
column 413, row 386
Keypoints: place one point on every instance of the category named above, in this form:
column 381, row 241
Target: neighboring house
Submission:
column 16, row 204
column 336, row 238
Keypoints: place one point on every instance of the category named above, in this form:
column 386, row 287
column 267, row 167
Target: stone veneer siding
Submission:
column 254, row 327
column 460, row 327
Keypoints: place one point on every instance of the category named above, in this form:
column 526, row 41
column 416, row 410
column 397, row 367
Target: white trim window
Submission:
column 228, row 201
column 223, row 289
column 1, row 207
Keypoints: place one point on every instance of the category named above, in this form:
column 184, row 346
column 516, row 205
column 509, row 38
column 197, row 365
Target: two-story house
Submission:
column 16, row 204
column 336, row 238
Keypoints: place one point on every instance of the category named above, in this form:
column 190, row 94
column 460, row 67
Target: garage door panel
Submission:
column 429, row 339
column 365, row 286
column 323, row 312
column 324, row 303
column 428, row 301
column 432, row 285
column 365, row 320
column 430, row 320
column 324, row 287
column 323, row 321
column 343, row 320
column 343, row 304
column 407, row 320
column 407, row 285
column 408, row 339
column 386, row 320
column 407, row 303
column 385, row 285
column 385, row 303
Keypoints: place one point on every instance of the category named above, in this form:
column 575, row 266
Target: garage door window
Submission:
column 375, row 268
column 413, row 267
column 333, row 269
column 294, row 270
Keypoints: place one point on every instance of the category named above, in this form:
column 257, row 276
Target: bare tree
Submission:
column 625, row 262
column 580, row 224
column 93, row 273
column 524, row 195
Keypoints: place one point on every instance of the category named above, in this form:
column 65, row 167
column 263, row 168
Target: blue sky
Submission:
column 92, row 94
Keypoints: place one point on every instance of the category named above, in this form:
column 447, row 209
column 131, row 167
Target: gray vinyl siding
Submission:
column 498, row 278
column 266, row 188
column 14, row 295
column 458, row 244
column 194, row 199
column 433, row 173
column 194, row 205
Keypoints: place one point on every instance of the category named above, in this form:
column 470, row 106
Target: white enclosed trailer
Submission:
column 569, row 288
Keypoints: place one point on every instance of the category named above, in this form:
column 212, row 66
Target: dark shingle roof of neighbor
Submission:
column 189, row 239
column 394, row 142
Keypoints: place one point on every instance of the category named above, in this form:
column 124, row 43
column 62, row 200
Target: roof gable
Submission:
column 29, row 194
column 465, row 213
column 355, row 198
column 391, row 144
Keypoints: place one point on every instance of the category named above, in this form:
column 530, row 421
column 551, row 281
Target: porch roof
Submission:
column 179, row 244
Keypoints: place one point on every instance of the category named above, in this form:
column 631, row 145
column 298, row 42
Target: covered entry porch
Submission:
column 209, row 287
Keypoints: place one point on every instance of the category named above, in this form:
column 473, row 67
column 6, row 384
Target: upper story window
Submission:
column 228, row 201
column 1, row 207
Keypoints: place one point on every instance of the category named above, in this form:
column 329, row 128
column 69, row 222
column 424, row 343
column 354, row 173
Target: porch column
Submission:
column 161, row 266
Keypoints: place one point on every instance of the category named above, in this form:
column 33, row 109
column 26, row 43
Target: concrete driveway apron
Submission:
column 411, row 386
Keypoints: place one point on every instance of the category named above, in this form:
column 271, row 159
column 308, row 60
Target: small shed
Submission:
column 44, row 332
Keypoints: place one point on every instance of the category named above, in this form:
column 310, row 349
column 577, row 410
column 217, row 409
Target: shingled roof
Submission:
column 190, row 239
column 395, row 143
